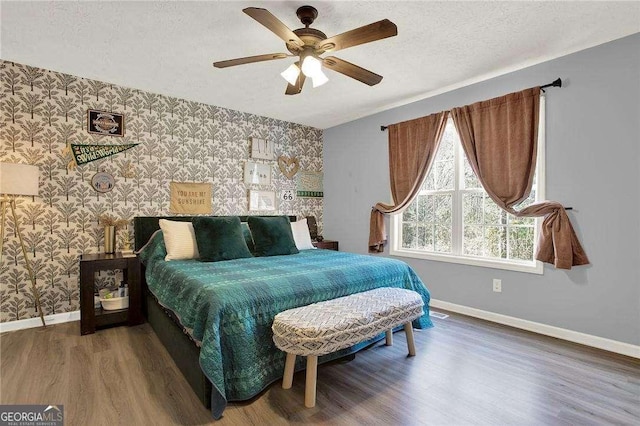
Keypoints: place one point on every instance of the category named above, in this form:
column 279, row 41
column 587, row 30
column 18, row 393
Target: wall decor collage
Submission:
column 259, row 174
column 159, row 139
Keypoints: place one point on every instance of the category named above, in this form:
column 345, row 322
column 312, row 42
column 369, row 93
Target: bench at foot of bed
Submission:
column 326, row 327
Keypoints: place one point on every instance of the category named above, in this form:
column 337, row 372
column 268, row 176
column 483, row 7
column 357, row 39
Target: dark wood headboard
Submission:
column 145, row 226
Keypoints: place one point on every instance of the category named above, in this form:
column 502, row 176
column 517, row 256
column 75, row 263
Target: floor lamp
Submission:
column 15, row 180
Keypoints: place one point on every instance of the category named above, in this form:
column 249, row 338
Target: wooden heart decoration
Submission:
column 288, row 166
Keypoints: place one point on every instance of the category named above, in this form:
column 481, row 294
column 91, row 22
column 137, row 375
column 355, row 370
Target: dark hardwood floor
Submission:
column 466, row 371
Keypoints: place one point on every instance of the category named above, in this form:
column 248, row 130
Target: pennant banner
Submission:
column 87, row 153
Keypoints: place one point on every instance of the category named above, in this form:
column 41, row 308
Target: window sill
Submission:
column 528, row 267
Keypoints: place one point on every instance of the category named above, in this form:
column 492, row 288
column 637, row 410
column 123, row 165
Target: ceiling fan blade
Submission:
column 368, row 33
column 267, row 19
column 249, row 59
column 294, row 89
column 351, row 70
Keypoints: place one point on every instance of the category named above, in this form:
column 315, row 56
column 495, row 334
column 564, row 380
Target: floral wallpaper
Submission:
column 179, row 140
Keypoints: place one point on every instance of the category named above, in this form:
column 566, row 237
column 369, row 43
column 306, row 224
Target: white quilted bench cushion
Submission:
column 325, row 327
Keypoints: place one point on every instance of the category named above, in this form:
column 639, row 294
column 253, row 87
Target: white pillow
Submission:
column 301, row 235
column 179, row 239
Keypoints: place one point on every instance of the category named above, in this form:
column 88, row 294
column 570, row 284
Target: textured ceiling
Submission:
column 168, row 47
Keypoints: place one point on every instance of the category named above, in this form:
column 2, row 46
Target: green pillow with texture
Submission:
column 220, row 238
column 272, row 235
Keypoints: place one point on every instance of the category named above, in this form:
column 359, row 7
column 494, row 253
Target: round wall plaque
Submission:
column 103, row 182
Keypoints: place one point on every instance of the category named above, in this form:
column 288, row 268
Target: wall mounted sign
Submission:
column 262, row 200
column 288, row 166
column 309, row 185
column 105, row 123
column 257, row 173
column 103, row 182
column 262, row 149
column 88, row 153
column 190, row 198
column 287, row 195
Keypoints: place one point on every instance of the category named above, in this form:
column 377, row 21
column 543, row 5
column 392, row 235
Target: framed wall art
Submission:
column 105, row 123
column 262, row 200
column 257, row 173
column 262, row 149
column 309, row 185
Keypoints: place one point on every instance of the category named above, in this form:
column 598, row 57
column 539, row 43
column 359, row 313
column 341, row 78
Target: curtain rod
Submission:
column 555, row 83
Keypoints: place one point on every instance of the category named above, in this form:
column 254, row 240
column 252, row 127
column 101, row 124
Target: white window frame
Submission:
column 533, row 267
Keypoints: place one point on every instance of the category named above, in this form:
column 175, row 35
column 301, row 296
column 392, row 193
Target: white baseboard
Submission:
column 547, row 330
column 35, row 322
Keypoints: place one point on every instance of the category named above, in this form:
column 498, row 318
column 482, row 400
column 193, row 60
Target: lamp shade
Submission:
column 319, row 79
column 311, row 66
column 19, row 179
column 291, row 74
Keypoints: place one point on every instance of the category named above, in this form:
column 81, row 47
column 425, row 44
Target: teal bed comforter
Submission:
column 228, row 307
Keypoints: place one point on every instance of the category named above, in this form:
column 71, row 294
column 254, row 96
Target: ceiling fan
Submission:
column 308, row 44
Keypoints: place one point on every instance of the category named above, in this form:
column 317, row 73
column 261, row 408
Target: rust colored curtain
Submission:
column 500, row 138
column 412, row 147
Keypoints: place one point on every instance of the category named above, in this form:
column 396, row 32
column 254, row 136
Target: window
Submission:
column 453, row 219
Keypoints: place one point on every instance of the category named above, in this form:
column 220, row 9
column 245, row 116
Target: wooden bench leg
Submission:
column 389, row 338
column 408, row 330
column 310, row 386
column 287, row 380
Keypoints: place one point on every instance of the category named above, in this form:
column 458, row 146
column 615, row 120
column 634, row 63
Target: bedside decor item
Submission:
column 111, row 225
column 16, row 180
column 190, row 198
column 103, row 182
column 289, row 166
column 113, row 303
column 321, row 243
column 262, row 200
column 257, row 173
column 262, row 149
column 309, row 185
column 105, row 123
column 87, row 153
column 307, row 44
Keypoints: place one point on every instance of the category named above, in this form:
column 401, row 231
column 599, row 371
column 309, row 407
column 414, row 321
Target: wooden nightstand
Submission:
column 326, row 244
column 92, row 317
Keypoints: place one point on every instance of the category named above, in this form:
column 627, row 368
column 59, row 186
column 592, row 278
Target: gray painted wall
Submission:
column 593, row 134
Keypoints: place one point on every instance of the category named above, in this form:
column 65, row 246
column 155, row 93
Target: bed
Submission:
column 215, row 317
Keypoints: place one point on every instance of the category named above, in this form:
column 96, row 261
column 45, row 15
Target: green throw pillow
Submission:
column 272, row 235
column 220, row 238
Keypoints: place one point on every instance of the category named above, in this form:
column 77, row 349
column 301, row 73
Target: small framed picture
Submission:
column 257, row 173
column 262, row 149
column 105, row 123
column 309, row 185
column 262, row 200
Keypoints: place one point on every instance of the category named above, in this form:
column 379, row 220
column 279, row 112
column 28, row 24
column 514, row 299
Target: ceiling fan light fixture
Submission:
column 311, row 66
column 291, row 74
column 319, row 79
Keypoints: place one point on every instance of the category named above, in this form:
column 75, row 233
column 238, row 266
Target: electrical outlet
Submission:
column 497, row 285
